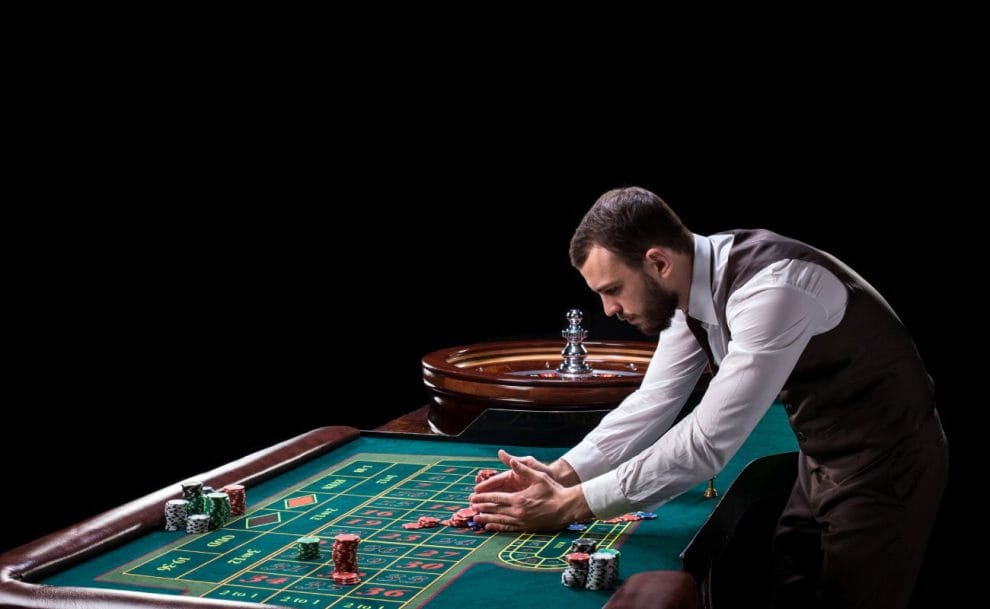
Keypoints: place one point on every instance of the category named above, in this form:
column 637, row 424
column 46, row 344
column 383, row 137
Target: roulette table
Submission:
column 335, row 480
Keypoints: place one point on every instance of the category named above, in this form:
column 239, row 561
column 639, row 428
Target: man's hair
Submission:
column 627, row 222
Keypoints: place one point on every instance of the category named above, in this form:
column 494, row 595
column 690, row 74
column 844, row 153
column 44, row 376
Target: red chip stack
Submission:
column 238, row 498
column 460, row 518
column 345, row 568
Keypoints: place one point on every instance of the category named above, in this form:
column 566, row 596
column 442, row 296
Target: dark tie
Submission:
column 702, row 338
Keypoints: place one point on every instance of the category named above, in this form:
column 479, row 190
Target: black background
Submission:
column 302, row 279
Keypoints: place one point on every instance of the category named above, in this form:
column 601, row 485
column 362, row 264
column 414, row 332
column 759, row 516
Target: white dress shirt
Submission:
column 628, row 463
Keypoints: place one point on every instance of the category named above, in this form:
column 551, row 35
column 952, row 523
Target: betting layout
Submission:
column 256, row 557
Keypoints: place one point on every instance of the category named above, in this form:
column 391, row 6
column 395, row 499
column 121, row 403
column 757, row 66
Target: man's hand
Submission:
column 509, row 481
column 540, row 503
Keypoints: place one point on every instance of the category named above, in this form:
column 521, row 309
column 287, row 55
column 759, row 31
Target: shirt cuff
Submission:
column 587, row 461
column 604, row 496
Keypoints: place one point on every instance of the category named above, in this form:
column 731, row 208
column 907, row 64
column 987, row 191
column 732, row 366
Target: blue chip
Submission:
column 577, row 526
column 646, row 515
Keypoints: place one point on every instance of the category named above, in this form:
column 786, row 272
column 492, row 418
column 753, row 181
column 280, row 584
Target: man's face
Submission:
column 631, row 294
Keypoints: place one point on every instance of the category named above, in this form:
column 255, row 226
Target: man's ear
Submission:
column 658, row 259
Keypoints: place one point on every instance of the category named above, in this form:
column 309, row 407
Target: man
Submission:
column 773, row 316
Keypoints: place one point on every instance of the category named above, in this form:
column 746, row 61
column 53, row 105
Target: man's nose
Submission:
column 611, row 307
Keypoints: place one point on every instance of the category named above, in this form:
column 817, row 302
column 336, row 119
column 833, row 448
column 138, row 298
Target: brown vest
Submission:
column 859, row 386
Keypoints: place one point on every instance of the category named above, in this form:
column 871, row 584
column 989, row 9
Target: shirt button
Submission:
column 801, row 436
column 789, row 407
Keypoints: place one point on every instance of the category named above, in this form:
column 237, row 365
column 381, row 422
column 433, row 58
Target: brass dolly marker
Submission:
column 710, row 492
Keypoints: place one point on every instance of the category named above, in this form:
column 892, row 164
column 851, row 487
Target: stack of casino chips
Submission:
column 309, row 547
column 584, row 545
column 461, row 518
column 218, row 508
column 576, row 573
column 197, row 523
column 602, row 571
column 345, row 568
column 615, row 561
column 193, row 493
column 238, row 498
column 175, row 514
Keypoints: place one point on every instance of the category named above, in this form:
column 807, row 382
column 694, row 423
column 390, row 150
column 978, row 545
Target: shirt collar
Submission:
column 701, row 304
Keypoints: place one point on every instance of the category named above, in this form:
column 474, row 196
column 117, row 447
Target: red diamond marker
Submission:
column 300, row 501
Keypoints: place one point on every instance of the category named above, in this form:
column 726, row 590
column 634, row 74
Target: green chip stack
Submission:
column 309, row 548
column 218, row 508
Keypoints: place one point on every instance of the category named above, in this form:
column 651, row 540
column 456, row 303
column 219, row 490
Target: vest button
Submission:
column 801, row 436
column 789, row 407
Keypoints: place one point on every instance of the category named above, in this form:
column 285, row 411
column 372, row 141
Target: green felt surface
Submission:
column 370, row 487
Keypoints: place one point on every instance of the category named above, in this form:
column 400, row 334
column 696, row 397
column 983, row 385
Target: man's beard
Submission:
column 659, row 310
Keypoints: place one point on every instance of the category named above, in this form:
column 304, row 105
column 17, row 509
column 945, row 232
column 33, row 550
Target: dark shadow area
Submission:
column 743, row 576
column 731, row 556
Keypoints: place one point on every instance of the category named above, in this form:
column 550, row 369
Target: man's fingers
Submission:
column 529, row 460
column 499, row 522
column 524, row 471
column 504, row 457
column 490, row 498
column 497, row 526
column 485, row 508
column 494, row 483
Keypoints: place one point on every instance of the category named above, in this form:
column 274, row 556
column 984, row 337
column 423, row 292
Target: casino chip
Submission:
column 461, row 518
column 218, row 509
column 199, row 500
column 238, row 498
column 193, row 493
column 584, row 545
column 423, row 522
column 197, row 523
column 602, row 571
column 309, row 547
column 631, row 517
column 484, row 474
column 176, row 511
column 576, row 573
column 345, row 568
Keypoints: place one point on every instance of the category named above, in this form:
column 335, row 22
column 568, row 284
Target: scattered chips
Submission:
column 484, row 474
column 424, row 522
column 630, row 517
